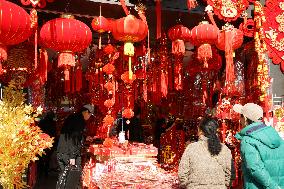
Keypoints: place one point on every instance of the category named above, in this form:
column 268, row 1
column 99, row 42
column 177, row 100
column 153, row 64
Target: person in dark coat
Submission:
column 48, row 126
column 135, row 128
column 71, row 139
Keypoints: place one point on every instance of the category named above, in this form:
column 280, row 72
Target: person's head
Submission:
column 250, row 113
column 87, row 111
column 208, row 127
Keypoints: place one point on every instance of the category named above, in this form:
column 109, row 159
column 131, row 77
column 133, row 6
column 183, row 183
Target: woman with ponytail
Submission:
column 207, row 163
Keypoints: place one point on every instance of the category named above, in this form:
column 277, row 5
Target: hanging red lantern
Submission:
column 204, row 35
column 129, row 29
column 100, row 24
column 67, row 36
column 236, row 40
column 127, row 113
column 15, row 24
column 178, row 34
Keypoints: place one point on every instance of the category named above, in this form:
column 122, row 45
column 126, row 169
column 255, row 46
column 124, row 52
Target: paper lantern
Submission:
column 15, row 24
column 178, row 34
column 100, row 24
column 204, row 35
column 236, row 40
column 67, row 36
column 129, row 29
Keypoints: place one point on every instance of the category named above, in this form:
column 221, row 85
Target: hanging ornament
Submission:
column 100, row 24
column 127, row 113
column 178, row 34
column 228, row 10
column 129, row 30
column 204, row 35
column 34, row 3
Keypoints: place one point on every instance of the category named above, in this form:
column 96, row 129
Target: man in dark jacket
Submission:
column 70, row 141
column 262, row 150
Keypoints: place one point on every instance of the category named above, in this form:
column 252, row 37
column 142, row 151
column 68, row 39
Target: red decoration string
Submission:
column 72, row 82
column 42, row 69
column 79, row 78
column 159, row 18
column 35, row 49
column 164, row 84
column 122, row 2
column 67, row 81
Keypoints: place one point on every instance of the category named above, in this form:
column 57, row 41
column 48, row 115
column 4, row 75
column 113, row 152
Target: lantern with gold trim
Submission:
column 129, row 29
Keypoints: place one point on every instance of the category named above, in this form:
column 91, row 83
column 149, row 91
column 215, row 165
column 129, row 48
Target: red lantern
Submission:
column 67, row 36
column 178, row 34
column 100, row 24
column 129, row 29
column 15, row 24
column 204, row 35
column 236, row 40
column 128, row 113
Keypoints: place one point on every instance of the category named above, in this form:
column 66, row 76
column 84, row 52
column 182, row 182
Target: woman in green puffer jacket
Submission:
column 262, row 150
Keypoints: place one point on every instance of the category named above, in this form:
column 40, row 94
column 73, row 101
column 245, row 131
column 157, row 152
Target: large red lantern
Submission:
column 204, row 35
column 15, row 26
column 67, row 36
column 178, row 34
column 129, row 29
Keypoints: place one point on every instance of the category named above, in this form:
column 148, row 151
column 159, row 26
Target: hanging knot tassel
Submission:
column 66, row 59
column 164, row 84
column 204, row 53
column 42, row 69
column 67, row 80
column 79, row 78
column 130, row 68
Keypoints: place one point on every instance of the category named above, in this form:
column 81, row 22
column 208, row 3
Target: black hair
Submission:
column 209, row 128
column 249, row 121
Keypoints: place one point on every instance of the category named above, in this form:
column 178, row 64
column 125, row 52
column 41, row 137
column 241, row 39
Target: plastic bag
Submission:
column 70, row 178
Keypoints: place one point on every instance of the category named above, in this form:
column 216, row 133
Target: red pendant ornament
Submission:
column 34, row 3
column 228, row 10
column 129, row 30
column 178, row 34
column 128, row 113
column 273, row 30
column 15, row 24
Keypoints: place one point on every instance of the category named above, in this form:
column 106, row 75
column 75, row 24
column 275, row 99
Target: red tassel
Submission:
column 178, row 76
column 1, row 70
column 43, row 65
column 122, row 2
column 204, row 53
column 145, row 97
column 78, row 78
column 72, row 81
column 66, row 59
column 67, row 80
column 223, row 131
column 3, row 53
column 159, row 18
column 230, row 72
column 164, row 84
